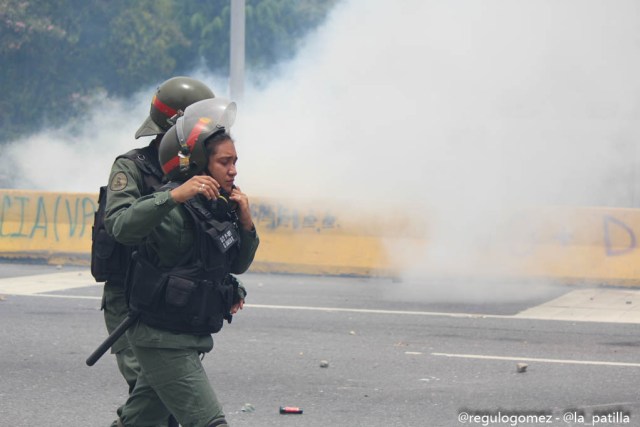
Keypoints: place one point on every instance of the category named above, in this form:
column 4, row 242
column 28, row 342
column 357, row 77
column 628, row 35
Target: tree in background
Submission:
column 56, row 55
column 142, row 45
column 274, row 30
column 27, row 33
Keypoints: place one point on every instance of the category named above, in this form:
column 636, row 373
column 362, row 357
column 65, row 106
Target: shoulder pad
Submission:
column 145, row 159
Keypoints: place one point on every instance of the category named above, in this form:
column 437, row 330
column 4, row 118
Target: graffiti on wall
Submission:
column 613, row 225
column 63, row 216
column 279, row 217
column 616, row 236
column 58, row 217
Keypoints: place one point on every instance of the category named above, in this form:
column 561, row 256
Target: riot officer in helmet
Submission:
column 190, row 235
column 134, row 174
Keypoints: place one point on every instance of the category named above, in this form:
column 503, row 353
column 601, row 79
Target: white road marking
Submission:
column 595, row 305
column 590, row 305
column 534, row 359
column 63, row 296
column 40, row 283
column 372, row 311
column 581, row 305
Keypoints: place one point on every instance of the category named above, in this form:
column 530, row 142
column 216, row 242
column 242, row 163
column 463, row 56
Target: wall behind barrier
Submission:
column 56, row 227
column 578, row 244
column 569, row 244
column 41, row 225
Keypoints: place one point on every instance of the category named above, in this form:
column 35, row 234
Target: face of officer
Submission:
column 222, row 163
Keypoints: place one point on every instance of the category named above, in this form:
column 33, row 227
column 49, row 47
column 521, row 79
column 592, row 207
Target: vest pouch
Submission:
column 103, row 244
column 227, row 293
column 146, row 284
column 220, row 302
column 178, row 292
column 101, row 250
column 212, row 308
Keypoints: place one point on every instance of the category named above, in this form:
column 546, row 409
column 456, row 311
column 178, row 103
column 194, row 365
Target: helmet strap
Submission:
column 184, row 154
column 173, row 119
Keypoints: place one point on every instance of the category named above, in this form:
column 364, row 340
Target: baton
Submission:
column 112, row 338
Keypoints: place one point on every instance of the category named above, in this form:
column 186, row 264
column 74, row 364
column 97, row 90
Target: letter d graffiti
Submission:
column 610, row 224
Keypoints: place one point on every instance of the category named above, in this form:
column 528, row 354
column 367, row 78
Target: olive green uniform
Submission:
column 115, row 309
column 126, row 185
column 172, row 378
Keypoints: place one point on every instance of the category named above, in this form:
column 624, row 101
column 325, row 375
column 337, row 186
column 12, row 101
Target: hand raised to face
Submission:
column 199, row 184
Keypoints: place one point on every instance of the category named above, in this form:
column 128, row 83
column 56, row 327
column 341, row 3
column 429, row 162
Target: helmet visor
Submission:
column 148, row 128
column 221, row 111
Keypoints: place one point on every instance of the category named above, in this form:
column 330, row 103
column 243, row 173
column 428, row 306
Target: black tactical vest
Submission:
column 110, row 259
column 195, row 296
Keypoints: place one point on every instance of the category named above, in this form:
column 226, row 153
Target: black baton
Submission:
column 112, row 338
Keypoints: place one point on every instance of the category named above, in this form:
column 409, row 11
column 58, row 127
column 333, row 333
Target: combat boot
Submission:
column 218, row 422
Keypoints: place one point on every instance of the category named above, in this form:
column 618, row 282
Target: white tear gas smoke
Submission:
column 448, row 110
column 457, row 112
column 457, row 103
column 78, row 157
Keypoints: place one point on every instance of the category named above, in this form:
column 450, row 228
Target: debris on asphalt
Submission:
column 521, row 367
column 324, row 363
column 290, row 410
column 248, row 407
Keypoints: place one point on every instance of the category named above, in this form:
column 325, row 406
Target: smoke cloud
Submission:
column 456, row 113
column 458, row 104
column 451, row 112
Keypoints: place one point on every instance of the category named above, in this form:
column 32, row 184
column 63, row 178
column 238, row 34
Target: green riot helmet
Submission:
column 182, row 151
column 171, row 98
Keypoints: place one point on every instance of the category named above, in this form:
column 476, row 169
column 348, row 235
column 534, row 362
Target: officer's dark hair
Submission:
column 211, row 144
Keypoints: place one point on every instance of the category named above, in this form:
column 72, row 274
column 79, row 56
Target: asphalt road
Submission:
column 398, row 355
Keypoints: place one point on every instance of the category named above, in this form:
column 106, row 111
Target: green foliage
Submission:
column 23, row 23
column 206, row 26
column 56, row 55
column 140, row 41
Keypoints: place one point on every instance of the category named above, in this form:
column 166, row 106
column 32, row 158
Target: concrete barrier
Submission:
column 50, row 226
column 56, row 227
column 579, row 244
column 583, row 244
